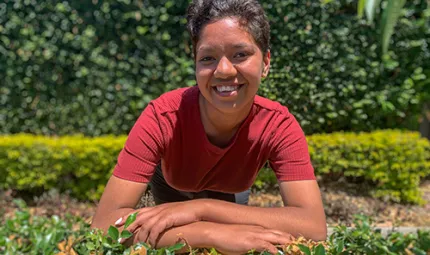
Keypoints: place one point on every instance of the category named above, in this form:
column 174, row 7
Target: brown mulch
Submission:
column 340, row 206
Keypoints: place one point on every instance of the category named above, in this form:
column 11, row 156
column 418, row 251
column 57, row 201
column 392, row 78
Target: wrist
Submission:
column 202, row 209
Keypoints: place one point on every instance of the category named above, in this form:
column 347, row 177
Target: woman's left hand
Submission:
column 152, row 221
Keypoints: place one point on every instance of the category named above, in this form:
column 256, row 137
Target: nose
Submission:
column 225, row 69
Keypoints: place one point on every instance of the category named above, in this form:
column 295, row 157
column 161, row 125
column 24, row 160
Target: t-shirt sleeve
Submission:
column 289, row 156
column 142, row 150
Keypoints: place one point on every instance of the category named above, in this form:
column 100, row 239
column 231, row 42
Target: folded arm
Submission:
column 121, row 196
column 302, row 215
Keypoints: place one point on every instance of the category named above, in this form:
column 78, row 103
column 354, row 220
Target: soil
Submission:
column 340, row 206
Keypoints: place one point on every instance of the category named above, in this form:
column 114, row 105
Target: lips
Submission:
column 227, row 90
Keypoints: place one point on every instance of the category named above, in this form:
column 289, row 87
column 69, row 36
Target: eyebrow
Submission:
column 210, row 48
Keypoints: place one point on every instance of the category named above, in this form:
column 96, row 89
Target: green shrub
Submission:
column 76, row 163
column 26, row 234
column 393, row 162
column 90, row 67
column 390, row 163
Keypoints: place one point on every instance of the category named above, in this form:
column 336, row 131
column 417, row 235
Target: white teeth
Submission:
column 226, row 88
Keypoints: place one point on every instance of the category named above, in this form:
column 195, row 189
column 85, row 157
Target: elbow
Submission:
column 94, row 225
column 97, row 225
column 319, row 232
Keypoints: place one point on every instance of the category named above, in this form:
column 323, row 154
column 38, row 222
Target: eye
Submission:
column 206, row 59
column 241, row 55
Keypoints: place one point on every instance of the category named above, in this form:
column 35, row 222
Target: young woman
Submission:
column 200, row 148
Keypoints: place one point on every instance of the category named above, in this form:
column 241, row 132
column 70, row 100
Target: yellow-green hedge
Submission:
column 392, row 162
column 76, row 163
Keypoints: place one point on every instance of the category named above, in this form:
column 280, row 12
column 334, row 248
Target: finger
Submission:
column 146, row 228
column 158, row 228
column 285, row 234
column 266, row 246
column 138, row 225
column 142, row 218
column 121, row 221
column 275, row 238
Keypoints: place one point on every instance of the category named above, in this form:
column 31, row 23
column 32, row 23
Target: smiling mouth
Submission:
column 227, row 89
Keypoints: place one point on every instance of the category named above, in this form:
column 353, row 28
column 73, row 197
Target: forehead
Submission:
column 226, row 32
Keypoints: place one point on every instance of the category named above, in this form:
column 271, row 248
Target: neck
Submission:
column 220, row 121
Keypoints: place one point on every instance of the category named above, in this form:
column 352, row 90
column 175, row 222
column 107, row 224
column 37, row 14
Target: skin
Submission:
column 226, row 54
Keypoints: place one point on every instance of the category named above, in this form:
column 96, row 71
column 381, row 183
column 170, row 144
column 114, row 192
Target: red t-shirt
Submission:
column 170, row 129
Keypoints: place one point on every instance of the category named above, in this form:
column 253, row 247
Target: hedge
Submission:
column 91, row 67
column 392, row 162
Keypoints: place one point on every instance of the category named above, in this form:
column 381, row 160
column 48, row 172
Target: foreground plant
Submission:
column 27, row 234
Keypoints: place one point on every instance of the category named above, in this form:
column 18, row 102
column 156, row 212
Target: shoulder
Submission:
column 266, row 106
column 275, row 118
column 175, row 99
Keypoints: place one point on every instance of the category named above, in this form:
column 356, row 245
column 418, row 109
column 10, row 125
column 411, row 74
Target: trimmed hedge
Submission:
column 90, row 67
column 76, row 163
column 393, row 162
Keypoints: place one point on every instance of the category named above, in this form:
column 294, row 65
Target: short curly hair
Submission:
column 249, row 13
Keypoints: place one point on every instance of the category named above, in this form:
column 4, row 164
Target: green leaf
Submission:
column 340, row 246
column 319, row 250
column 160, row 251
column 126, row 234
column 113, row 233
column 371, row 6
column 418, row 251
column 90, row 246
column 176, row 247
column 304, row 249
column 389, row 20
column 361, row 4
column 130, row 219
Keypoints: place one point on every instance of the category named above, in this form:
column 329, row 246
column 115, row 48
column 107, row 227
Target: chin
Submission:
column 230, row 107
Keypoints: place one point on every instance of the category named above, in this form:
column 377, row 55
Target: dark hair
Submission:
column 249, row 13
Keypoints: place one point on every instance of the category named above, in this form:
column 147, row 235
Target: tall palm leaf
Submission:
column 390, row 16
column 389, row 20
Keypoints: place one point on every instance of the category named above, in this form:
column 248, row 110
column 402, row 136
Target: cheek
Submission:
column 251, row 71
column 203, row 73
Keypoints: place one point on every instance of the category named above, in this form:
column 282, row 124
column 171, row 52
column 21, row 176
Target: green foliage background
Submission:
column 90, row 67
column 390, row 163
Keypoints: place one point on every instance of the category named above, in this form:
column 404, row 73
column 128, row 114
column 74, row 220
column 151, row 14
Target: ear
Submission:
column 266, row 64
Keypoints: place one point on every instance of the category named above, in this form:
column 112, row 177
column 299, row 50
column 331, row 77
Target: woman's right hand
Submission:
column 240, row 239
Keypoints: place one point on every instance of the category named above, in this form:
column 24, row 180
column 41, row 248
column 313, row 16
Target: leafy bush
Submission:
column 76, row 163
column 390, row 163
column 26, row 234
column 90, row 67
column 393, row 162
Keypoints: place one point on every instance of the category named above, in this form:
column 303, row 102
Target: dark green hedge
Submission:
column 91, row 66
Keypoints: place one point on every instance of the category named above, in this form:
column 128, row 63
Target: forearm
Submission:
column 307, row 222
column 103, row 222
column 195, row 234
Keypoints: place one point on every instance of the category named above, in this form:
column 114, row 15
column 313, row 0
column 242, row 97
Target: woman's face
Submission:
column 229, row 65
